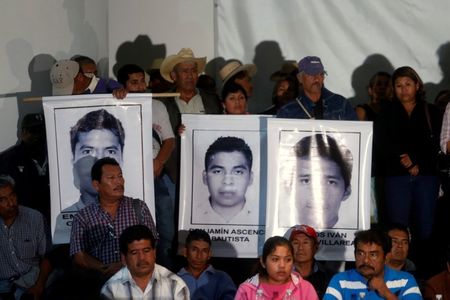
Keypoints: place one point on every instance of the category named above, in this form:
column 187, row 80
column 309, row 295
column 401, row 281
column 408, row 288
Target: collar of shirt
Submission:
column 91, row 87
column 194, row 106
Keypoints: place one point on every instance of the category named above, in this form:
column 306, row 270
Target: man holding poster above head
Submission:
column 228, row 174
column 321, row 180
column 315, row 101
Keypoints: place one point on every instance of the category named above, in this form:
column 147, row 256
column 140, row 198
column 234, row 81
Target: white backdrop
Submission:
column 354, row 39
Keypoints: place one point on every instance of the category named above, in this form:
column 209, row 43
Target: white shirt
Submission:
column 205, row 214
column 445, row 131
column 163, row 285
column 194, row 106
column 161, row 124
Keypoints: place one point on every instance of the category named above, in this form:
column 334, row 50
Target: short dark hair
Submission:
column 83, row 60
column 232, row 87
column 229, row 144
column 125, row 71
column 270, row 245
column 374, row 77
column 98, row 119
column 97, row 168
column 327, row 147
column 6, row 180
column 373, row 236
column 197, row 235
column 135, row 233
column 401, row 227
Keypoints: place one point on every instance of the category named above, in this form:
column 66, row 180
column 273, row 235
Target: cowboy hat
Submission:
column 233, row 67
column 185, row 55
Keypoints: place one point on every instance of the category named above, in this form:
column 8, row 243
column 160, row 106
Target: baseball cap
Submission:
column 311, row 65
column 33, row 120
column 62, row 75
column 305, row 229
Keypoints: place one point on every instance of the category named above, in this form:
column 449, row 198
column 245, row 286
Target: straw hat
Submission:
column 185, row 55
column 234, row 67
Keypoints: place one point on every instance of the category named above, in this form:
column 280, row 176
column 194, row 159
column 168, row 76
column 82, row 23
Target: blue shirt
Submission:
column 352, row 285
column 212, row 284
column 335, row 107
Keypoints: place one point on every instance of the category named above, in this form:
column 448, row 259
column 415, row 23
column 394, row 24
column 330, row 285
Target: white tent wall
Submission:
column 33, row 34
column 354, row 39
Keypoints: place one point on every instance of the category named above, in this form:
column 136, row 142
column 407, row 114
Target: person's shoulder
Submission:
column 30, row 213
column 288, row 110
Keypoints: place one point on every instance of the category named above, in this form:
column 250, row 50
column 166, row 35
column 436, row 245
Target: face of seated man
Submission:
column 228, row 177
column 91, row 146
column 320, row 189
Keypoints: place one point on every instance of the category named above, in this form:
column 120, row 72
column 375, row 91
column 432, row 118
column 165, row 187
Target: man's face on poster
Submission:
column 319, row 191
column 228, row 176
column 91, row 146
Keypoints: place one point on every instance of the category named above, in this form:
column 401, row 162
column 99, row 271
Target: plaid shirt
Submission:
column 96, row 233
column 22, row 244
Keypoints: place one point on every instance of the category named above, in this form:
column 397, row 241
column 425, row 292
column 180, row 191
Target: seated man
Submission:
column 372, row 279
column 305, row 243
column 23, row 244
column 94, row 239
column 397, row 258
column 228, row 174
column 203, row 280
column 141, row 277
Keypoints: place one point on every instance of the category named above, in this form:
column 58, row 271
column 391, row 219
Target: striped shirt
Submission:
column 96, row 233
column 22, row 244
column 163, row 285
column 352, row 285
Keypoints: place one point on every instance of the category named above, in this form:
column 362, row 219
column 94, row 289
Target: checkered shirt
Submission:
column 96, row 233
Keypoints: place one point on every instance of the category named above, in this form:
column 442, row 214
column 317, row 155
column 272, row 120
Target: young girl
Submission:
column 275, row 279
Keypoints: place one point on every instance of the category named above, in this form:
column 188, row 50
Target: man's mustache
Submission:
column 366, row 266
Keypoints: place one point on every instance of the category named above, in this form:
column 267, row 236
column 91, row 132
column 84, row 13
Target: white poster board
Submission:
column 82, row 127
column 319, row 175
column 224, row 194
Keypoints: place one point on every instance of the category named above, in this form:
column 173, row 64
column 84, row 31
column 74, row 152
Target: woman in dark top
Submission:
column 408, row 135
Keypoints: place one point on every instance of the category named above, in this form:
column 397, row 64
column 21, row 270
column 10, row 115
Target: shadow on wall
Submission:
column 432, row 89
column 23, row 66
column 84, row 37
column 141, row 52
column 268, row 59
column 361, row 75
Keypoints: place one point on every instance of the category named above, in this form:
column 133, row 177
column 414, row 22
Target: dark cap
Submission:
column 33, row 120
column 311, row 65
column 305, row 229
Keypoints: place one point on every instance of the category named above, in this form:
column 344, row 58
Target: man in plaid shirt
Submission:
column 94, row 240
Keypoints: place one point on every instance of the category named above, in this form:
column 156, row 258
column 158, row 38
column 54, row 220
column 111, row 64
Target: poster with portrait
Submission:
column 222, row 181
column 82, row 129
column 320, row 176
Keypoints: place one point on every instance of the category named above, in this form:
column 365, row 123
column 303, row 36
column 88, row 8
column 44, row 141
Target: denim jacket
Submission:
column 335, row 107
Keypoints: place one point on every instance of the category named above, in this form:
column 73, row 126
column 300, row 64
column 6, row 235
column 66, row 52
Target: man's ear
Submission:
column 184, row 251
column 122, row 259
column 251, row 178
column 347, row 193
column 96, row 185
column 204, row 179
column 173, row 75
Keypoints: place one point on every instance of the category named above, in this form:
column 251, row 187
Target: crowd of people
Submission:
column 119, row 250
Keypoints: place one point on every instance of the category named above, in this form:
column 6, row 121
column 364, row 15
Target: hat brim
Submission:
column 63, row 90
column 172, row 60
column 250, row 68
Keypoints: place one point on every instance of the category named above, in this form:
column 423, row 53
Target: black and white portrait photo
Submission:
column 317, row 183
column 81, row 134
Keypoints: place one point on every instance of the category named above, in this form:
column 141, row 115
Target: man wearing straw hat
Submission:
column 183, row 69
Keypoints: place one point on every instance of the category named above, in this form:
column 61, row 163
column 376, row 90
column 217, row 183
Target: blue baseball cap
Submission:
column 311, row 65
